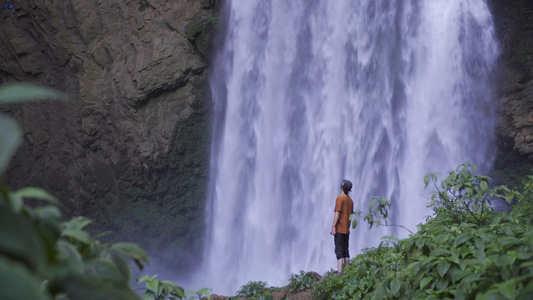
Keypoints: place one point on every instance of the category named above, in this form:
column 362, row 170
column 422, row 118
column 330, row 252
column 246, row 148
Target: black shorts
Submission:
column 341, row 245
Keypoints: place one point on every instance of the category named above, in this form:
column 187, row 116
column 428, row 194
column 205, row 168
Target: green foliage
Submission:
column 378, row 214
column 163, row 290
column 333, row 286
column 36, row 246
column 361, row 276
column 201, row 294
column 20, row 92
column 257, row 290
column 465, row 197
column 378, row 211
column 463, row 261
column 523, row 210
column 300, row 282
column 156, row 289
column 465, row 251
column 9, row 139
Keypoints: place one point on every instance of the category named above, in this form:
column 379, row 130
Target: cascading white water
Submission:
column 309, row 92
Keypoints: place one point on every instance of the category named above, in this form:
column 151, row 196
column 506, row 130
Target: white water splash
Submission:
column 309, row 92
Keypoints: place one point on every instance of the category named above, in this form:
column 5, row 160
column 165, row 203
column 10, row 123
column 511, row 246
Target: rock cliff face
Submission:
column 514, row 28
column 514, row 24
column 516, row 121
column 130, row 148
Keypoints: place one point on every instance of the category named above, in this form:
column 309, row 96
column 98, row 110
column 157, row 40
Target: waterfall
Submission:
column 309, row 92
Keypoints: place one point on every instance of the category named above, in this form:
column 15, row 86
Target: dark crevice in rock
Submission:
column 161, row 90
column 527, row 80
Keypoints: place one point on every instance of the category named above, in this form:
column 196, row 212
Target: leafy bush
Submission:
column 300, row 282
column 37, row 246
column 361, row 276
column 333, row 286
column 156, row 289
column 465, row 251
column 465, row 260
column 258, row 290
column 465, row 197
column 159, row 290
column 523, row 209
column 378, row 214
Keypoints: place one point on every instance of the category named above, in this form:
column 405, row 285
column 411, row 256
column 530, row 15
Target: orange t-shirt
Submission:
column 344, row 205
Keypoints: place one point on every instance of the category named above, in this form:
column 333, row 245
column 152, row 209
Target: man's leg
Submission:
column 339, row 252
column 346, row 248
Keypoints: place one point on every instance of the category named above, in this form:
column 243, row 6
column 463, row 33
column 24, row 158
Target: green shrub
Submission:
column 464, row 261
column 377, row 214
column 37, row 246
column 523, row 209
column 464, row 251
column 257, row 290
column 332, row 285
column 159, row 290
column 465, row 197
column 300, row 282
column 361, row 276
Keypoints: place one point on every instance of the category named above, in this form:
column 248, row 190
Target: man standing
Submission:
column 341, row 224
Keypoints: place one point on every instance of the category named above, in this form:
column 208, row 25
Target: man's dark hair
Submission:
column 346, row 186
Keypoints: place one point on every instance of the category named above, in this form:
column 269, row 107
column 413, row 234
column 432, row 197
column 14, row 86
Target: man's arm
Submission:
column 335, row 220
